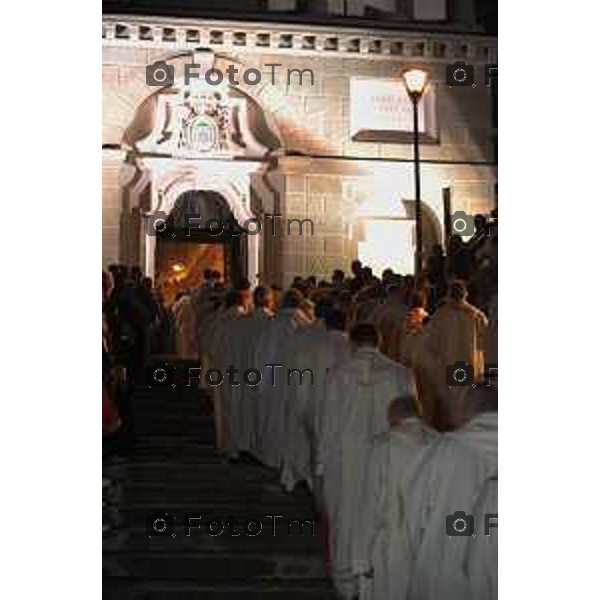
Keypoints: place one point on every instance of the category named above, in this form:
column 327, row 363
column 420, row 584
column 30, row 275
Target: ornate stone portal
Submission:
column 201, row 140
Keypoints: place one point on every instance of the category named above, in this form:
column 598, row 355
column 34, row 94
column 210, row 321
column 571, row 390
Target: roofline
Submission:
column 322, row 21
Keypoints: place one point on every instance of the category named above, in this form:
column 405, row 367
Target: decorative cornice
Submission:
column 297, row 40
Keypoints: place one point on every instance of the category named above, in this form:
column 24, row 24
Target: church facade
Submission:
column 301, row 134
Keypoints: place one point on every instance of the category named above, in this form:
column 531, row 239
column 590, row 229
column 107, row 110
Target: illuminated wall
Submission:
column 322, row 169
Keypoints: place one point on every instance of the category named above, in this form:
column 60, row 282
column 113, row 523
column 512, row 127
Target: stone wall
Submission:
column 322, row 164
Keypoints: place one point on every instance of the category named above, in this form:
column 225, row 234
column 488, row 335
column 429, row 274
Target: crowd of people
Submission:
column 355, row 403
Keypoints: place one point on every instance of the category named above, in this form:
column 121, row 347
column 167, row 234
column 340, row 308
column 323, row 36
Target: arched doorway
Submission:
column 201, row 233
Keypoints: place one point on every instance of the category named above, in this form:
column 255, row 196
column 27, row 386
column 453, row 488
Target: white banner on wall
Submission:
column 381, row 110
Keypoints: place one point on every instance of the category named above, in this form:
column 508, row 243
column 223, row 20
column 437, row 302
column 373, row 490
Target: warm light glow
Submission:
column 415, row 81
column 178, row 267
column 387, row 244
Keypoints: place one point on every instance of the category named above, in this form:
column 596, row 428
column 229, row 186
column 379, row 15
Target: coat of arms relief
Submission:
column 201, row 122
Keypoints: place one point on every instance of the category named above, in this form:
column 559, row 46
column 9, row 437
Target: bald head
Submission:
column 400, row 408
column 457, row 290
column 364, row 335
column 262, row 297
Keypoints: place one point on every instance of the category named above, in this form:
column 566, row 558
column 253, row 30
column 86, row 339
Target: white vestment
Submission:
column 208, row 318
column 481, row 564
column 381, row 541
column 185, row 328
column 458, row 473
column 220, row 357
column 313, row 350
column 270, row 395
column 357, row 398
column 244, row 336
column 388, row 321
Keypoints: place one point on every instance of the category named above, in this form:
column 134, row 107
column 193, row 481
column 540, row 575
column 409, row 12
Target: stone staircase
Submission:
column 173, row 467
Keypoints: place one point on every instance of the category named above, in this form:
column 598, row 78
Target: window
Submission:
column 430, row 10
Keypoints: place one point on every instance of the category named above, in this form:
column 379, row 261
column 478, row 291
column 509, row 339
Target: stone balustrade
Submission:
column 298, row 40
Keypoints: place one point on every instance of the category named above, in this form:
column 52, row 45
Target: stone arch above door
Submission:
column 170, row 178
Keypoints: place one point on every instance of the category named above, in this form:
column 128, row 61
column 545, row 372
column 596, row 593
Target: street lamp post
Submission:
column 416, row 81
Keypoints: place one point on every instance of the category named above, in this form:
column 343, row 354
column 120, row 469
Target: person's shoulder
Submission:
column 401, row 370
column 472, row 311
column 477, row 315
column 480, row 315
column 442, row 311
column 381, row 441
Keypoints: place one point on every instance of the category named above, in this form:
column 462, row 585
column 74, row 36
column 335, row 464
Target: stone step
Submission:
column 176, row 418
column 272, row 589
column 220, row 493
column 212, row 567
column 171, row 464
column 163, row 445
column 133, row 508
column 205, row 472
column 288, row 538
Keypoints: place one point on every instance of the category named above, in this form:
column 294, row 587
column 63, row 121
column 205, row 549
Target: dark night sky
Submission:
column 487, row 10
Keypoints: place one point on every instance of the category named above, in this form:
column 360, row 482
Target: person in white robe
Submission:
column 270, row 394
column 481, row 560
column 491, row 339
column 357, row 397
column 254, row 327
column 458, row 474
column 185, row 328
column 243, row 332
column 367, row 304
column 219, row 354
column 382, row 553
column 207, row 312
column 389, row 319
column 455, row 333
column 313, row 351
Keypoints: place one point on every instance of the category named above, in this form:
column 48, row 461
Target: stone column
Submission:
column 112, row 161
column 148, row 242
